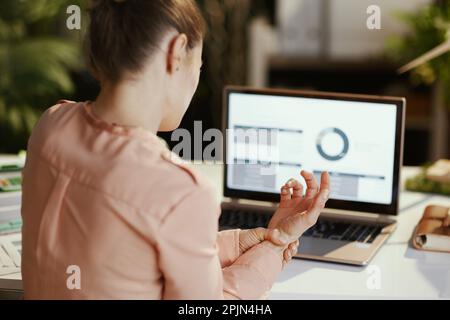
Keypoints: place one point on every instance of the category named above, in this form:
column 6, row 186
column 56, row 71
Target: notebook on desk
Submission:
column 274, row 134
column 433, row 231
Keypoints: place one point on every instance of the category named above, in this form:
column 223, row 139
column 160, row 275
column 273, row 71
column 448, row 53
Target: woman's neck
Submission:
column 130, row 104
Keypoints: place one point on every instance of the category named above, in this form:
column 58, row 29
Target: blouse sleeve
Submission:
column 228, row 246
column 189, row 258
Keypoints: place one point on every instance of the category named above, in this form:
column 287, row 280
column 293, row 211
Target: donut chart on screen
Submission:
column 322, row 148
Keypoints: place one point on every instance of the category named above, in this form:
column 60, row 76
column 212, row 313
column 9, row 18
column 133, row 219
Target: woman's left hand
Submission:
column 249, row 238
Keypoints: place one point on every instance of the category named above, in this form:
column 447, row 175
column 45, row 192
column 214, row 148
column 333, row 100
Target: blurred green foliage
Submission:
column 37, row 55
column 421, row 183
column 429, row 27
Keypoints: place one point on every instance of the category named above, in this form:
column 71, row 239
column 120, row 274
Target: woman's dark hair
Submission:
column 123, row 33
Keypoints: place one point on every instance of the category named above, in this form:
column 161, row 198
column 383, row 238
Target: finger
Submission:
column 289, row 250
column 312, row 187
column 285, row 193
column 287, row 255
column 325, row 181
column 293, row 249
column 296, row 245
column 317, row 205
column 447, row 222
column 297, row 188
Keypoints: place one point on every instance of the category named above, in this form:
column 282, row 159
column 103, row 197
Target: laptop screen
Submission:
column 271, row 138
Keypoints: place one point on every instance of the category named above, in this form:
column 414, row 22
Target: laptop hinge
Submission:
column 236, row 201
column 383, row 218
column 233, row 200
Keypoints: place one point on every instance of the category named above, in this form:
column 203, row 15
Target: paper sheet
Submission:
column 10, row 253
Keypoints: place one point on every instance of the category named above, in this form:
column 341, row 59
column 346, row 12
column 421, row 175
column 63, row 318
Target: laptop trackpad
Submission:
column 319, row 247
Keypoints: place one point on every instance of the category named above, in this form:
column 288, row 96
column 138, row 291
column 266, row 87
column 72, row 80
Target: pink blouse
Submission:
column 109, row 208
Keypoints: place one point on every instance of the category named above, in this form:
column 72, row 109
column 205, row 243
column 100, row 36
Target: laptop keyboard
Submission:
column 324, row 229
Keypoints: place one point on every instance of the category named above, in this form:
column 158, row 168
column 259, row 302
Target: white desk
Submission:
column 404, row 273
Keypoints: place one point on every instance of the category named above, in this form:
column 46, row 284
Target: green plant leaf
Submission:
column 428, row 28
column 39, row 67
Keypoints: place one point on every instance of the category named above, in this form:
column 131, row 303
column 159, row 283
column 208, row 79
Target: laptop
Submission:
column 272, row 135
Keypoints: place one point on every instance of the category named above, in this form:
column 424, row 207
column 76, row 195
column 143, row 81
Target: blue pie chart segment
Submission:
column 324, row 152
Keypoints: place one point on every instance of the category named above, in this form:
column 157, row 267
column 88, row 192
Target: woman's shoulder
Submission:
column 185, row 168
column 55, row 113
column 140, row 172
column 51, row 121
column 147, row 176
column 191, row 195
column 60, row 107
column 174, row 181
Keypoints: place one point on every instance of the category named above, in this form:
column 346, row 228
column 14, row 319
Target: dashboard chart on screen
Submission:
column 275, row 137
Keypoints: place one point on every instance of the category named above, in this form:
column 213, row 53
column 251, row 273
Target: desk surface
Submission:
column 397, row 272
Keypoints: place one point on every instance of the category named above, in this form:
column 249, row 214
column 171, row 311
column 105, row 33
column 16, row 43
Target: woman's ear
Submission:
column 176, row 53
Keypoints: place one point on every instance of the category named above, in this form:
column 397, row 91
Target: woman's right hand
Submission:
column 297, row 213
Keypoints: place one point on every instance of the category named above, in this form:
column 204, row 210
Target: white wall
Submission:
column 299, row 26
column 350, row 36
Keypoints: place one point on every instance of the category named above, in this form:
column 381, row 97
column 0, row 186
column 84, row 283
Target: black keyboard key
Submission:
column 340, row 229
column 363, row 234
column 239, row 219
column 329, row 230
column 348, row 233
column 375, row 234
column 355, row 233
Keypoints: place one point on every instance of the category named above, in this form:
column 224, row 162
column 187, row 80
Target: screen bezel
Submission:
column 400, row 103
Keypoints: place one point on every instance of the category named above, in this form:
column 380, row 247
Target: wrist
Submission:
column 246, row 241
column 273, row 247
column 250, row 238
column 240, row 242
